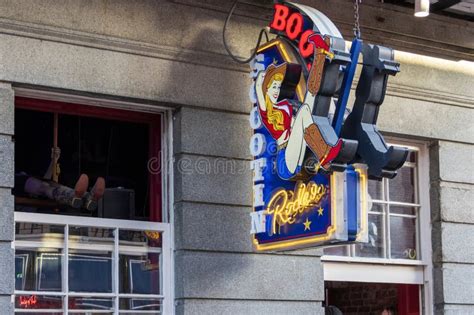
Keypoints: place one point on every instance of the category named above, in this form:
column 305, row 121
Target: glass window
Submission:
column 393, row 217
column 375, row 245
column 86, row 269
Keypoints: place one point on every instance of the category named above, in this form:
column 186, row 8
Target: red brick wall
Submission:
column 361, row 298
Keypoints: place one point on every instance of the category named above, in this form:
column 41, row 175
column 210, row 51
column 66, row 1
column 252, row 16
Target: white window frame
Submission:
column 166, row 156
column 402, row 271
column 116, row 226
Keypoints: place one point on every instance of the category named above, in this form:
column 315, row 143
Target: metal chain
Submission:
column 356, row 18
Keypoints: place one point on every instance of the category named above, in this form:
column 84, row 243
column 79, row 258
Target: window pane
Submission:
column 140, row 238
column 412, row 156
column 90, row 271
column 401, row 187
column 90, row 303
column 374, row 248
column 140, row 304
column 38, row 269
column 91, row 236
column 140, row 273
column 48, row 235
column 377, row 207
column 337, row 251
column 375, row 189
column 403, row 210
column 403, row 238
column 53, row 303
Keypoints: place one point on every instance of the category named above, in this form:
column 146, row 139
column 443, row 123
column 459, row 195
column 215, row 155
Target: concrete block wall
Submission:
column 7, row 261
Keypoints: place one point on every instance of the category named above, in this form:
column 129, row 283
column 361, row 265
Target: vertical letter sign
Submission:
column 311, row 161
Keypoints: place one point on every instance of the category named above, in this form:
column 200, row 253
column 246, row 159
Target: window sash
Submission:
column 116, row 249
column 387, row 215
column 422, row 207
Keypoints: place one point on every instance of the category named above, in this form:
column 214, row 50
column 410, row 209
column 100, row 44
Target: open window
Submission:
column 113, row 258
column 116, row 145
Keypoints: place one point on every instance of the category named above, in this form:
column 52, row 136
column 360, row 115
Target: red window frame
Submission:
column 152, row 120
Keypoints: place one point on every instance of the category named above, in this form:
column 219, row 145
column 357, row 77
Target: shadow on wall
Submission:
column 218, row 93
column 205, row 75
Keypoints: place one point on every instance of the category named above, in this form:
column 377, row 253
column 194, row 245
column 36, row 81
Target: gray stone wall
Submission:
column 6, row 199
column 170, row 53
column 452, row 199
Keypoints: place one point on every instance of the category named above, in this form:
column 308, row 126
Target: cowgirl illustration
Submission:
column 294, row 128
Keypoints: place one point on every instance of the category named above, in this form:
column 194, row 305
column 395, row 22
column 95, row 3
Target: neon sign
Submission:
column 152, row 235
column 312, row 160
column 28, row 301
column 286, row 206
column 292, row 24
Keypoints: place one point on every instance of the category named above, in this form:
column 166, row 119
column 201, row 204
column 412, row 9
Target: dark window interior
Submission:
column 115, row 150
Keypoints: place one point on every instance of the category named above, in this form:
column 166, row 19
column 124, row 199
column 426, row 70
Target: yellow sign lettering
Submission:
column 286, row 205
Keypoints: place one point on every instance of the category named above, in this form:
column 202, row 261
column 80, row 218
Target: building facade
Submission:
column 163, row 64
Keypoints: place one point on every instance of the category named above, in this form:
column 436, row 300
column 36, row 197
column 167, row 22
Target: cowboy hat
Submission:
column 270, row 72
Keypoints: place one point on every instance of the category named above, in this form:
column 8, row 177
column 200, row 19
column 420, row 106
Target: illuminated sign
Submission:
column 152, row 235
column 312, row 160
column 28, row 301
column 286, row 206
